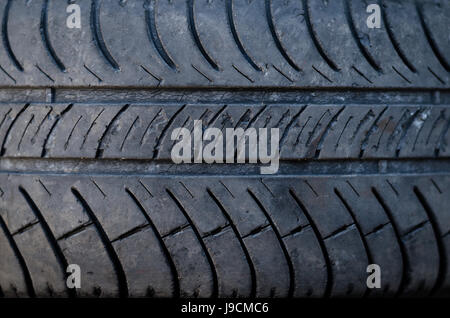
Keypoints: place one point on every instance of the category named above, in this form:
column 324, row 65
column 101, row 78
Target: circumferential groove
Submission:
column 314, row 38
column 46, row 38
column 150, row 18
column 229, row 5
column 277, row 40
column 196, row 36
column 98, row 36
column 5, row 37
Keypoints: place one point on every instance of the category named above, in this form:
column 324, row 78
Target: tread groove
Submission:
column 49, row 234
column 358, row 227
column 196, row 36
column 98, row 36
column 441, row 140
column 405, row 261
column 5, row 37
column 438, row 235
column 7, row 74
column 121, row 277
column 3, row 149
column 321, row 74
column 66, row 144
column 200, row 240
column 364, row 51
column 90, row 127
column 150, row 18
column 46, row 37
column 280, row 240
column 329, row 126
column 277, row 40
column 30, row 121
column 100, row 149
column 282, row 74
column 405, row 128
column 164, row 130
column 316, row 41
column 369, row 132
column 367, row 117
column 75, row 231
column 320, row 240
column 21, row 260
column 40, row 124
column 441, row 58
column 243, row 74
column 141, row 142
column 338, row 141
column 173, row 269
column 229, row 6
column 436, row 76
column 292, row 122
column 45, row 73
column 241, row 241
column 394, row 40
column 128, row 133
column 361, row 74
column 58, row 118
column 313, row 132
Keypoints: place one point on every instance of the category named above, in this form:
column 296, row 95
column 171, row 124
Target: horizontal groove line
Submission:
column 167, row 167
column 222, row 95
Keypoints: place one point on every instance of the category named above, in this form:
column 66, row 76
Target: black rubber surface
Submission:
column 86, row 175
column 225, row 43
column 143, row 131
column 163, row 236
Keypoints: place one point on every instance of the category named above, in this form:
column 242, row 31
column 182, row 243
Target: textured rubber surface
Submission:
column 86, row 176
column 143, row 131
column 226, row 43
column 159, row 236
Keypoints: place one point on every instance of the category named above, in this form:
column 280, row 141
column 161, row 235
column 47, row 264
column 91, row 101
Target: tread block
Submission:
column 12, row 278
column 309, row 263
column 144, row 131
column 194, row 271
column 388, row 257
column 148, row 274
column 225, row 44
column 234, row 279
column 323, row 249
column 347, row 254
column 272, row 274
column 98, row 277
column 45, row 270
